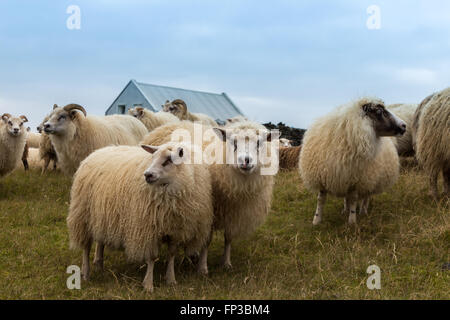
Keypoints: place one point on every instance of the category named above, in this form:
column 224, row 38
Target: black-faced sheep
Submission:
column 242, row 194
column 75, row 135
column 179, row 108
column 124, row 197
column 12, row 142
column 347, row 154
column 431, row 134
column 152, row 120
column 47, row 152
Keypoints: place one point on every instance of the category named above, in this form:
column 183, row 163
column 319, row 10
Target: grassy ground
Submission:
column 405, row 234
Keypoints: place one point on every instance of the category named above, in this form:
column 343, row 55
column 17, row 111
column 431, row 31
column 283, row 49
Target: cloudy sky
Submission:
column 288, row 61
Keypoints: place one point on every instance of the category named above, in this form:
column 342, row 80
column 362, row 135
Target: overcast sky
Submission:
column 288, row 61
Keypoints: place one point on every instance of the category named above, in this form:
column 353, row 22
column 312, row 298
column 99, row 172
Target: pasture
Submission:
column 405, row 233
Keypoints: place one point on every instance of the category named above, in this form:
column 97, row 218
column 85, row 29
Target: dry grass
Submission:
column 405, row 234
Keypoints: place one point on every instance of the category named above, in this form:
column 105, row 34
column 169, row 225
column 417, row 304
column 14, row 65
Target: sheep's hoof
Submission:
column 316, row 220
column 149, row 289
column 171, row 282
column 203, row 271
column 86, row 277
column 228, row 266
column 352, row 218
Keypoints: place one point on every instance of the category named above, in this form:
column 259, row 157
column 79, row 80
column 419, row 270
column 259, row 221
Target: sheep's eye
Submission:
column 62, row 118
column 10, row 123
column 21, row 124
column 167, row 162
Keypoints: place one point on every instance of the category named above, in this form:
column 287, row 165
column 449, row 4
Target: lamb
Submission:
column 432, row 139
column 46, row 151
column 286, row 143
column 404, row 143
column 179, row 108
column 12, row 142
column 242, row 194
column 348, row 154
column 150, row 119
column 125, row 197
column 75, row 135
column 289, row 157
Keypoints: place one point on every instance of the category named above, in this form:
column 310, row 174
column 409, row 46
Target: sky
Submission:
column 279, row 61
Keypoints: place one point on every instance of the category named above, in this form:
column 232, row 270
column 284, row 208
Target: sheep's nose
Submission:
column 150, row 177
column 247, row 159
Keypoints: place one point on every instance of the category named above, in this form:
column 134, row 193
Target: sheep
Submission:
column 289, row 157
column 347, row 153
column 242, row 195
column 33, row 139
column 12, row 142
column 179, row 108
column 75, row 135
column 150, row 119
column 235, row 119
column 432, row 139
column 125, row 197
column 25, row 157
column 47, row 152
column 404, row 143
column 286, row 143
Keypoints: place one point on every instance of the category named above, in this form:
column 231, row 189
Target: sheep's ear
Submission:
column 5, row 117
column 149, row 149
column 269, row 137
column 55, row 106
column 24, row 119
column 221, row 133
column 73, row 114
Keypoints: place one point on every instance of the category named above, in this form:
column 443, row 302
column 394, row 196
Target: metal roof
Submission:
column 217, row 106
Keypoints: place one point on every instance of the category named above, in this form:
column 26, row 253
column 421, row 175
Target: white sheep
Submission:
column 242, row 195
column 151, row 119
column 431, row 134
column 75, row 135
column 230, row 121
column 404, row 143
column 124, row 197
column 347, row 154
column 12, row 142
column 179, row 108
column 33, row 139
column 285, row 143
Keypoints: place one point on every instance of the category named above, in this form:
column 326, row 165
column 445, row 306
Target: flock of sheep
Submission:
column 135, row 188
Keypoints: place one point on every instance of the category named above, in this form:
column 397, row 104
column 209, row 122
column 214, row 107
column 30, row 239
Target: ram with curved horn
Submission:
column 75, row 135
column 179, row 109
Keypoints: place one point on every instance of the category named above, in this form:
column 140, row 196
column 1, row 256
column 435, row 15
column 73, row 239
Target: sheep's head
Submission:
column 14, row 126
column 168, row 161
column 247, row 147
column 61, row 121
column 384, row 122
column 285, row 143
column 137, row 112
column 236, row 119
column 177, row 107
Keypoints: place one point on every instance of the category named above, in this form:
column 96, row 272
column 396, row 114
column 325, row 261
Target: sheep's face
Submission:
column 167, row 162
column 137, row 112
column 14, row 126
column 385, row 123
column 236, row 119
column 246, row 146
column 177, row 107
column 61, row 121
column 285, row 143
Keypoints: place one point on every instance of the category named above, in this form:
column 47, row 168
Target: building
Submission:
column 152, row 97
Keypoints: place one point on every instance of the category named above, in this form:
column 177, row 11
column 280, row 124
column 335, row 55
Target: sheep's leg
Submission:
column 227, row 253
column 170, row 273
column 25, row 164
column 47, row 162
column 345, row 210
column 202, row 267
column 433, row 185
column 85, row 269
column 98, row 260
column 148, row 280
column 321, row 198
column 446, row 174
column 353, row 202
column 364, row 207
column 54, row 165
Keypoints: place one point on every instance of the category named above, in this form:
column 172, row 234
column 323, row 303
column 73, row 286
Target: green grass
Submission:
column 406, row 234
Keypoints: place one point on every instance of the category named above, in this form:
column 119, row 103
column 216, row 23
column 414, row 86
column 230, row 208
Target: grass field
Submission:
column 406, row 234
